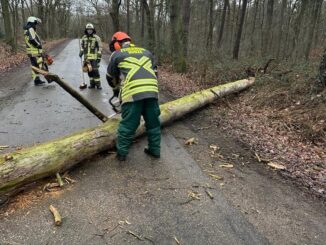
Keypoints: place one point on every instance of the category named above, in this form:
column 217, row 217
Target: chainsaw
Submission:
column 116, row 105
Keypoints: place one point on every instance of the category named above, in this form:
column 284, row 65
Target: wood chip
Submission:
column 216, row 177
column 226, row 165
column 276, row 165
column 56, row 215
column 59, row 179
column 209, row 194
column 135, row 235
column 8, row 157
column 49, row 187
column 214, row 147
column 190, row 141
column 177, row 241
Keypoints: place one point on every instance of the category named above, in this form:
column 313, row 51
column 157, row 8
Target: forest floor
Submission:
column 280, row 119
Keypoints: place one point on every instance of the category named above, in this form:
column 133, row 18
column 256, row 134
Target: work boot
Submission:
column 148, row 152
column 38, row 81
column 121, row 158
column 99, row 87
column 92, row 86
column 48, row 80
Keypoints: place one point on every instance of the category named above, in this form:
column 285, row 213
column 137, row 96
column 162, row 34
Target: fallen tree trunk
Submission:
column 55, row 78
column 32, row 163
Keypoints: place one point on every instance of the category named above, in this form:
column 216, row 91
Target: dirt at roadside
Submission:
column 16, row 76
column 270, row 138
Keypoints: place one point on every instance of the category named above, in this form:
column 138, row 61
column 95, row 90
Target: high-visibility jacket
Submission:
column 91, row 46
column 32, row 41
column 133, row 69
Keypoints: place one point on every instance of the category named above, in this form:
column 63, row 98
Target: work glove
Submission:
column 116, row 92
column 81, row 53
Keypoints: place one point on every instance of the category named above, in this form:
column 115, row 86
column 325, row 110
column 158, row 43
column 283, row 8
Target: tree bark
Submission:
column 30, row 164
column 115, row 14
column 239, row 32
column 150, row 26
column 316, row 6
column 281, row 29
column 128, row 17
column 322, row 71
column 7, row 22
column 297, row 28
column 186, row 10
column 268, row 29
column 253, row 29
column 221, row 32
column 209, row 43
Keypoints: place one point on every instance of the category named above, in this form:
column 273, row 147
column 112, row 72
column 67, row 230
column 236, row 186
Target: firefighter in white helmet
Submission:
column 91, row 48
column 34, row 48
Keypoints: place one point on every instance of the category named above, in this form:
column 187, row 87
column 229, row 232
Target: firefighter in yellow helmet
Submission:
column 91, row 48
column 34, row 48
column 132, row 74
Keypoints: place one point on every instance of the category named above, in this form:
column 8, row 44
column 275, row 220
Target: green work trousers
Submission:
column 131, row 114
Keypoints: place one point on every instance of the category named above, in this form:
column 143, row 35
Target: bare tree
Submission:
column 239, row 32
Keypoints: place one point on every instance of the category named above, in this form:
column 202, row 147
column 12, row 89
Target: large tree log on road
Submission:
column 30, row 164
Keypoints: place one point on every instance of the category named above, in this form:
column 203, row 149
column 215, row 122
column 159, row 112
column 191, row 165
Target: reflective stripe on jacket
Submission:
column 134, row 69
column 33, row 42
column 91, row 46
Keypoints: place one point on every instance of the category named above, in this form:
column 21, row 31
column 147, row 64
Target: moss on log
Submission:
column 33, row 163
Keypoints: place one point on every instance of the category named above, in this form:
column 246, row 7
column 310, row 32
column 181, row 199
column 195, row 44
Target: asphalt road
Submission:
column 110, row 202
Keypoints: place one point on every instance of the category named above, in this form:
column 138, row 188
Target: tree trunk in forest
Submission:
column 226, row 6
column 268, row 29
column 297, row 29
column 252, row 33
column 178, row 61
column 281, row 29
column 7, row 22
column 142, row 25
column 128, row 17
column 209, row 39
column 316, row 6
column 158, row 29
column 30, row 164
column 23, row 10
column 186, row 10
column 322, row 71
column 115, row 14
column 150, row 27
column 239, row 32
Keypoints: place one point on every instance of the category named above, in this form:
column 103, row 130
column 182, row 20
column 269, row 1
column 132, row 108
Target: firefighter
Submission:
column 132, row 75
column 91, row 48
column 34, row 48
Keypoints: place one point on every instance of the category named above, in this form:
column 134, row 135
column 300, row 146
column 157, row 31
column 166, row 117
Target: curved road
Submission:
column 111, row 202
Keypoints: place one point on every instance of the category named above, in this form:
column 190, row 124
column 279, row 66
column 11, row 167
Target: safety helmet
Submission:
column 34, row 20
column 118, row 38
column 89, row 26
